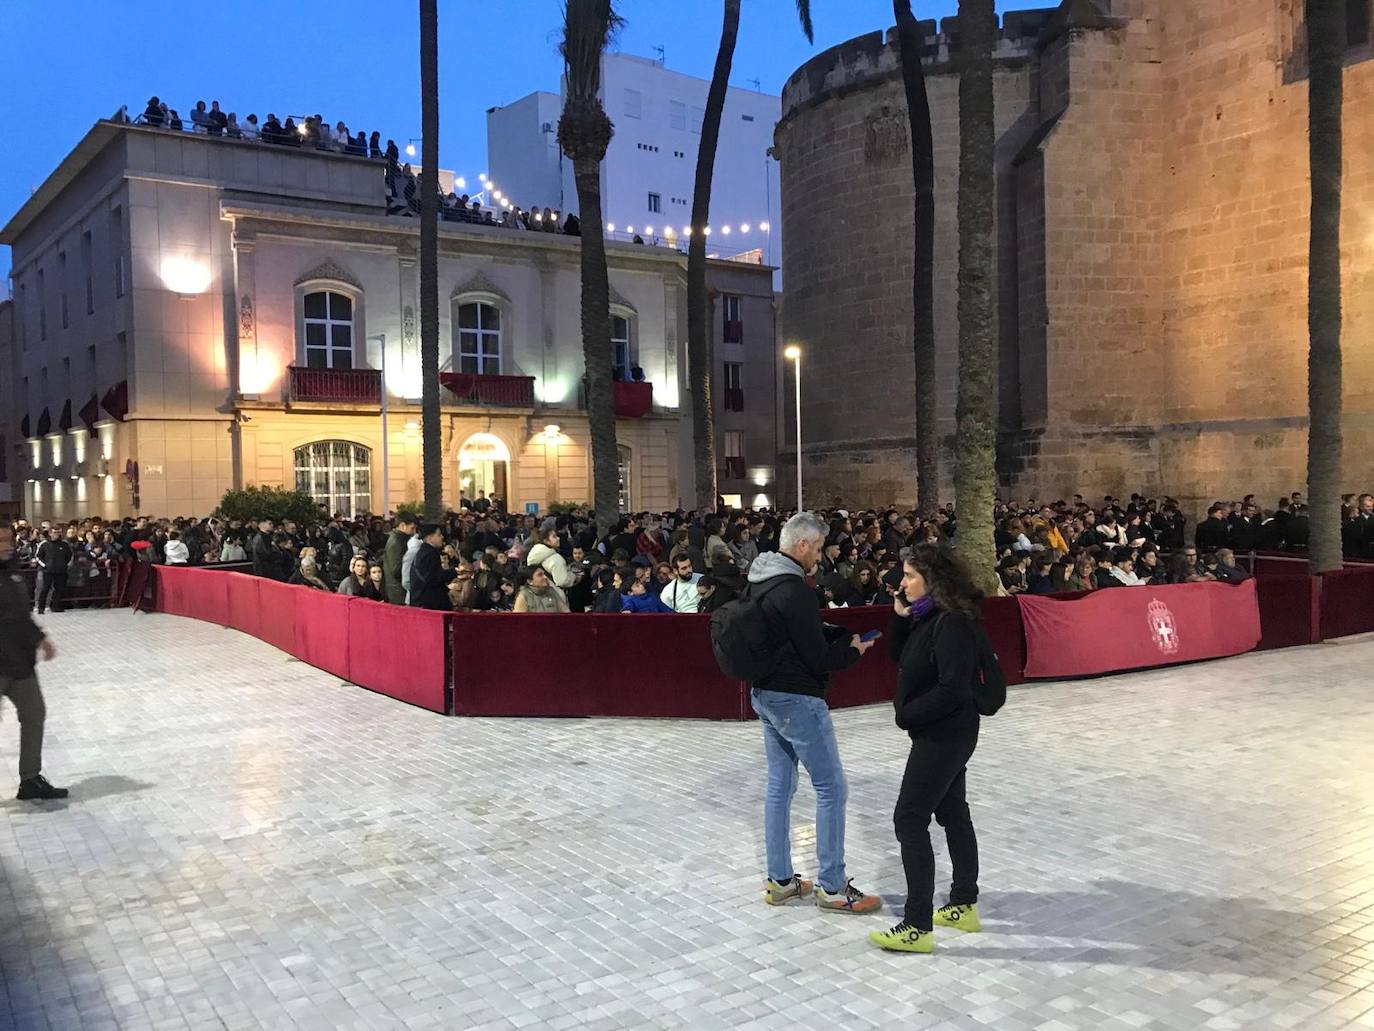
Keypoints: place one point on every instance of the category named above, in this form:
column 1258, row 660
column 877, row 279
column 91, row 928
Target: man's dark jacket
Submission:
column 806, row 651
column 429, row 580
column 19, row 634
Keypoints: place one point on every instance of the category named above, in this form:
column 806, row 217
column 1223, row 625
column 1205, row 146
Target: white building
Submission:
column 193, row 314
column 646, row 179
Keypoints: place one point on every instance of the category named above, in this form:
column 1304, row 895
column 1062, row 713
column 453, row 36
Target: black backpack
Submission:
column 990, row 690
column 739, row 636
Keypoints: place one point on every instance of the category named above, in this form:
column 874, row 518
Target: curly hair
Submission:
column 947, row 577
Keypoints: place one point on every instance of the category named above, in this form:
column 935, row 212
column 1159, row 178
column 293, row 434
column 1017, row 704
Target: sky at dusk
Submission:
column 65, row 65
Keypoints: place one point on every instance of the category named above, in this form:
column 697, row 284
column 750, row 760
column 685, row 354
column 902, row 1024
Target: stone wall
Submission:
column 1152, row 164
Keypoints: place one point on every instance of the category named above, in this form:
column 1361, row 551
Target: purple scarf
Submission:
column 921, row 609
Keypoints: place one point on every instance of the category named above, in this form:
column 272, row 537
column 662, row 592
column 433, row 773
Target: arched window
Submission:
column 328, row 330
column 479, row 338
column 620, row 342
column 622, row 454
column 337, row 474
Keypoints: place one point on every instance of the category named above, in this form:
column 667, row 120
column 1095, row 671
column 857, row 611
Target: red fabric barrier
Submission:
column 208, row 596
column 1289, row 609
column 1273, row 564
column 176, row 590
column 401, row 652
column 245, row 607
column 1347, row 602
column 1134, row 628
column 321, row 627
column 550, row 664
column 277, row 608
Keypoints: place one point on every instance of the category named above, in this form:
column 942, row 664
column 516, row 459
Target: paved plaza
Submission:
column 251, row 843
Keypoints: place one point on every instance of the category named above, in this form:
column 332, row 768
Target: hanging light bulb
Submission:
column 410, row 149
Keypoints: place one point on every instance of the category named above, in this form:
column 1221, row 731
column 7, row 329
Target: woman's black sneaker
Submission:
column 39, row 788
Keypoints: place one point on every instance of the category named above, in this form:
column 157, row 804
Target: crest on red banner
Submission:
column 1163, row 630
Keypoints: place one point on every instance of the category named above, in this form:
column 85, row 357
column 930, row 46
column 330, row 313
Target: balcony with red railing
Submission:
column 349, row 386
column 470, row 388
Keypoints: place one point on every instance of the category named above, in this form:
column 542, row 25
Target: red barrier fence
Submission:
column 1134, row 628
column 533, row 664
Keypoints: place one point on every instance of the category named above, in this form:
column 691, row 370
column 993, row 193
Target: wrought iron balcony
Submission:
column 490, row 391
column 352, row 386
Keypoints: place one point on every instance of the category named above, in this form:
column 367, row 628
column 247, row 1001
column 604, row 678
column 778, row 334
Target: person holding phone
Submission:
column 931, row 638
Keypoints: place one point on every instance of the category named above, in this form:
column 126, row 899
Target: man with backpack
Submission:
column 775, row 638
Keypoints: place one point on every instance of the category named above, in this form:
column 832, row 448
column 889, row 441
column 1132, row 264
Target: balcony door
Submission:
column 337, row 474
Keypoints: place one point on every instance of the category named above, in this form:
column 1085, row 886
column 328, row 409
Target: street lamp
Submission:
column 793, row 354
column 386, row 444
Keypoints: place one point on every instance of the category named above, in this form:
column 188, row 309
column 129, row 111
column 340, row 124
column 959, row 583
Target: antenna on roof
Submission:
column 659, row 52
column 758, row 86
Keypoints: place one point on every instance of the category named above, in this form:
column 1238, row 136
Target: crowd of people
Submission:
column 483, row 559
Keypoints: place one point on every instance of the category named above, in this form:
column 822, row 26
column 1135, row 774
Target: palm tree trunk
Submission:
column 700, row 340
column 909, row 42
column 596, row 346
column 1325, row 48
column 429, row 259
column 975, row 473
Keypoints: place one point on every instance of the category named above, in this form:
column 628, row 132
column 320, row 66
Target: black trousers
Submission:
column 54, row 583
column 933, row 785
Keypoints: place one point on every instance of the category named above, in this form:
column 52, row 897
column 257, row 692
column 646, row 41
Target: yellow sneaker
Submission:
column 961, row 918
column 903, row 938
column 776, row 894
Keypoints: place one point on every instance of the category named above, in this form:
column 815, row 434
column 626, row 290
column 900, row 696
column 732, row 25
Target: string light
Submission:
column 610, row 226
column 744, row 228
column 686, row 230
column 410, row 149
column 649, row 230
column 706, row 231
column 482, row 176
column 460, row 182
column 629, row 229
column 725, row 230
column 763, row 226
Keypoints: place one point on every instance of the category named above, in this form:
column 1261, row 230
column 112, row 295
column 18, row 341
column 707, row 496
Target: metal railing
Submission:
column 356, row 386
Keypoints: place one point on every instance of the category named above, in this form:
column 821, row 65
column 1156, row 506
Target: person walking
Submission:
column 21, row 642
column 932, row 637
column 790, row 703
column 54, row 555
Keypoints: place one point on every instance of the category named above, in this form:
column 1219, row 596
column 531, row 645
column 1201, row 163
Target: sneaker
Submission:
column 961, row 918
column 39, row 788
column 850, row 900
column 780, row 894
column 903, row 938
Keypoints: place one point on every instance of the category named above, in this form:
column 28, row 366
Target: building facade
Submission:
column 194, row 314
column 1151, row 252
column 647, row 176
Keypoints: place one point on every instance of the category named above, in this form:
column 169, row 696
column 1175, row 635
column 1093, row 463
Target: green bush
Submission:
column 557, row 508
column 277, row 503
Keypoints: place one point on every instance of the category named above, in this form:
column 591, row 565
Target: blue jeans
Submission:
column 798, row 727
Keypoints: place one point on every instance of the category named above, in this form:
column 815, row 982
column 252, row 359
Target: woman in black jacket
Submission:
column 932, row 638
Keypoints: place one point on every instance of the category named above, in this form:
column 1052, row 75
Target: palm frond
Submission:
column 588, row 25
column 804, row 13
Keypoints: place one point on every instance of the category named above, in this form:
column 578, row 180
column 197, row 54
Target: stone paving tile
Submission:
column 253, row 844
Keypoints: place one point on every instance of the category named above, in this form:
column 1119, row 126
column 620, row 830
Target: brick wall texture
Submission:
column 1153, row 194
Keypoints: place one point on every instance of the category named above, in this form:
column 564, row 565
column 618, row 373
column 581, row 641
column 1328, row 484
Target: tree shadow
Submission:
column 1140, row 925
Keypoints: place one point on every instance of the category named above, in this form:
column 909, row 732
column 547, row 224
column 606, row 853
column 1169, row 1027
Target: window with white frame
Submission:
column 620, row 344
column 479, row 338
column 328, row 330
column 337, row 474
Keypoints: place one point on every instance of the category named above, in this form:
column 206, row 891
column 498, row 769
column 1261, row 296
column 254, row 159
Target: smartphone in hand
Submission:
column 872, row 635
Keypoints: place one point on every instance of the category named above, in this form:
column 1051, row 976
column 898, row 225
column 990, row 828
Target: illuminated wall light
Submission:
column 80, row 490
column 108, row 491
column 669, row 231
column 460, row 182
column 552, row 433
column 551, row 391
column 610, row 226
column 185, row 276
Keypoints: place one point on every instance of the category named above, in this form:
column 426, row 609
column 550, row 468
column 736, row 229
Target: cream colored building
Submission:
column 229, row 313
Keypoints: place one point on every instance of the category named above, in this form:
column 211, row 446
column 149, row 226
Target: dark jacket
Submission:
column 806, row 650
column 1212, row 533
column 263, row 554
column 54, row 557
column 19, row 634
column 429, row 580
column 937, row 661
column 392, row 558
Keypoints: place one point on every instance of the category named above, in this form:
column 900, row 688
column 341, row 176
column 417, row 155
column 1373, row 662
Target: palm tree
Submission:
column 975, row 474
column 910, row 41
column 1325, row 97
column 429, row 259
column 584, row 133
column 700, row 352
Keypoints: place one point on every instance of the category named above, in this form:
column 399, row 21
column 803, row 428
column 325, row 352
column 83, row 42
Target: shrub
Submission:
column 277, row 503
column 557, row 508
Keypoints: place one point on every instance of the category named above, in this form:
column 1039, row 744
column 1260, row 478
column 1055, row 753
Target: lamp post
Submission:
column 793, row 354
column 386, row 464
